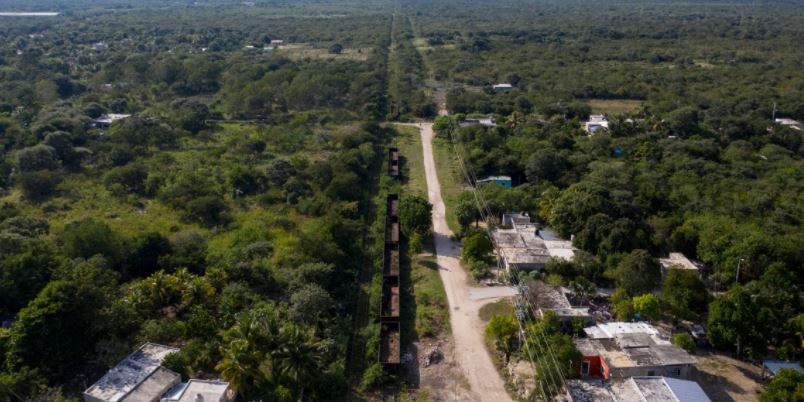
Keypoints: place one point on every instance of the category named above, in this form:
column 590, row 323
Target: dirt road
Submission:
column 467, row 328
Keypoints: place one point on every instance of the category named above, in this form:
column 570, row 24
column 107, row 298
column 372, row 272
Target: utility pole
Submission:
column 737, row 276
column 774, row 112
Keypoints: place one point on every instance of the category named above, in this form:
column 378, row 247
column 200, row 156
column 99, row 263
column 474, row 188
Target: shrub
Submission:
column 685, row 341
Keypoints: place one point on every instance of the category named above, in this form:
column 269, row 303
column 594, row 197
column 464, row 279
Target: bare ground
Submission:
column 725, row 379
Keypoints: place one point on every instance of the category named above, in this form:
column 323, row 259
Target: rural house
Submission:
column 629, row 349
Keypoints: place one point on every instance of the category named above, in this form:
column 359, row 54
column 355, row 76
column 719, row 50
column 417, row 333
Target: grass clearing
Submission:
column 304, row 51
column 432, row 309
column 409, row 142
column 450, row 177
column 614, row 106
column 501, row 308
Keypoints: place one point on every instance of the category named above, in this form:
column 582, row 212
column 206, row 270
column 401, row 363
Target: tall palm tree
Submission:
column 299, row 356
column 240, row 366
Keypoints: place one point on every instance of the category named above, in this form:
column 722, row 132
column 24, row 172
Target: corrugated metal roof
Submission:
column 775, row 365
column 686, row 391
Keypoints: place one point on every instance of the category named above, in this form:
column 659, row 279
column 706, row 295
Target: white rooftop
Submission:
column 795, row 125
column 210, row 391
column 595, row 122
column 111, row 118
column 611, row 330
column 133, row 371
column 677, row 261
column 491, row 178
column 503, row 86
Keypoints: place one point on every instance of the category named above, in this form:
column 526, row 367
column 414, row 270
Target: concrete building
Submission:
column 504, row 181
column 502, row 88
column 138, row 378
column 200, row 391
column 546, row 297
column 105, row 122
column 647, row 389
column 479, row 121
column 595, row 123
column 795, row 125
column 521, row 246
column 619, row 350
column 678, row 261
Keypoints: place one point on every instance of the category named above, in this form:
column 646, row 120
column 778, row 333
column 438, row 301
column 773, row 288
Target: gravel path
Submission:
column 467, row 328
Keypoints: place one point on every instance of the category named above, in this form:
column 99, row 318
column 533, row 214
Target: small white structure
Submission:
column 139, row 377
column 795, row 125
column 200, row 391
column 483, row 121
column 277, row 42
column 105, row 121
column 100, row 46
column 249, row 47
column 678, row 261
column 596, row 122
column 502, row 88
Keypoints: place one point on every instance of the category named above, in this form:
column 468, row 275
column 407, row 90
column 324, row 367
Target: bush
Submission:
column 479, row 269
column 477, row 246
column 685, row 341
column 415, row 244
column 39, row 185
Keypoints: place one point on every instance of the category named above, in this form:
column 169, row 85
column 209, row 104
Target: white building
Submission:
column 105, row 121
column 795, row 125
column 100, row 46
column 596, row 122
column 200, row 391
column 678, row 261
column 502, row 88
column 138, row 378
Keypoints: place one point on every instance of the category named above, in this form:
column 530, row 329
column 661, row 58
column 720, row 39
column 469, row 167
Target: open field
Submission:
column 303, row 51
column 614, row 106
column 725, row 379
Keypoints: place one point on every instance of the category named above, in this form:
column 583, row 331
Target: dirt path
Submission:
column 467, row 328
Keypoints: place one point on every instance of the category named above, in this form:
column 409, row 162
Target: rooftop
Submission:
column 775, row 365
column 492, row 178
column 503, row 86
column 210, row 391
column 677, row 261
column 111, row 118
column 624, row 345
column 649, row 389
column 139, row 372
column 789, row 122
column 523, row 243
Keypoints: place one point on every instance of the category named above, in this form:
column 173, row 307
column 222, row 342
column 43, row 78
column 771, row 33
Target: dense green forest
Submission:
column 692, row 160
column 222, row 216
column 228, row 214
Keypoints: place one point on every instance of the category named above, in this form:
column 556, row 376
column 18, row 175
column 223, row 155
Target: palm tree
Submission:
column 299, row 356
column 240, row 366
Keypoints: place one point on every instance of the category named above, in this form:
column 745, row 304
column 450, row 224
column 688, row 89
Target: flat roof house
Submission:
column 678, row 261
column 648, row 389
column 504, row 181
column 521, row 247
column 795, row 125
column 105, row 122
column 200, row 391
column 140, row 377
column 498, row 88
column 479, row 121
column 546, row 297
column 618, row 350
column 595, row 123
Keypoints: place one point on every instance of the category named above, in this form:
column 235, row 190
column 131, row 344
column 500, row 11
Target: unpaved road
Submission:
column 467, row 328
